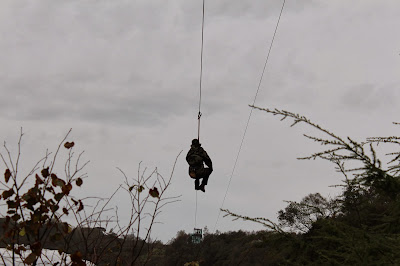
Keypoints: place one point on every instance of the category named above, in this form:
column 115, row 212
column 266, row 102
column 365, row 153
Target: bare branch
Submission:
column 59, row 146
column 266, row 222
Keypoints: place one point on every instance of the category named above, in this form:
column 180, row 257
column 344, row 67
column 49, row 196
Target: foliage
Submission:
column 360, row 226
column 230, row 248
column 34, row 214
column 38, row 204
column 301, row 216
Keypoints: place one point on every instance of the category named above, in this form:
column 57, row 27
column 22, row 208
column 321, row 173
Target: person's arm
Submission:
column 188, row 155
column 207, row 159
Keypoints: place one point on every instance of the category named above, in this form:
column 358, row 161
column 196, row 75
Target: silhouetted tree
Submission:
column 38, row 203
column 357, row 227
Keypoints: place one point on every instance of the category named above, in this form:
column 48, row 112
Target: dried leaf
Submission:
column 58, row 196
column 66, row 188
column 65, row 211
column 38, row 180
column 50, row 189
column 79, row 182
column 7, row 175
column 8, row 193
column 54, row 208
column 45, row 172
column 75, row 202
column 55, row 181
column 30, row 259
column 80, row 206
column 140, row 189
column 154, row 192
column 22, row 232
column 69, row 145
column 12, row 204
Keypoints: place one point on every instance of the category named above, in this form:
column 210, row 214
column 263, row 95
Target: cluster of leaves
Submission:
column 38, row 203
column 33, row 215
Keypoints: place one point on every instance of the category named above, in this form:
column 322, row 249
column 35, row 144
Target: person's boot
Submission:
column 196, row 184
column 202, row 188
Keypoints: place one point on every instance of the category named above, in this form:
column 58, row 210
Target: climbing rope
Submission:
column 201, row 72
column 251, row 112
column 200, row 83
column 195, row 213
column 198, row 126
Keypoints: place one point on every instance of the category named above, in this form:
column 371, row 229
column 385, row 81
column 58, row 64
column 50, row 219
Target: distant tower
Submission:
column 197, row 236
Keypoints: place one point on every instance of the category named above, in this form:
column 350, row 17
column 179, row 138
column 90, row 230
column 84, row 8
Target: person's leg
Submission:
column 206, row 175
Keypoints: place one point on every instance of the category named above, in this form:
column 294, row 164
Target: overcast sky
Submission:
column 124, row 75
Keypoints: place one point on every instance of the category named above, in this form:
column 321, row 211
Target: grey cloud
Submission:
column 369, row 97
column 259, row 9
column 136, row 107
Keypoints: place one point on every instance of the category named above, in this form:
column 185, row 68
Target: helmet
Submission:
column 195, row 142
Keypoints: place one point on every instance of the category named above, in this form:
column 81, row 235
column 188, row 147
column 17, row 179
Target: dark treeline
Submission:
column 363, row 229
column 358, row 227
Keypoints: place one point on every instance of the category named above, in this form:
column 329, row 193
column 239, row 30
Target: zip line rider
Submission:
column 195, row 158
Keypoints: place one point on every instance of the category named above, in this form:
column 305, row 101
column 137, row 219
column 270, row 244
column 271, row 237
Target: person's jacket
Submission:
column 196, row 156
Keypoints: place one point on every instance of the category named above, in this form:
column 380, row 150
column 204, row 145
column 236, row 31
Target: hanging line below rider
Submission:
column 195, row 158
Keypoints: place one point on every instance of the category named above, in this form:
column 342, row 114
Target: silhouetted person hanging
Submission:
column 195, row 158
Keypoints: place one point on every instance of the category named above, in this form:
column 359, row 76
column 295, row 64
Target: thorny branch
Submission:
column 344, row 149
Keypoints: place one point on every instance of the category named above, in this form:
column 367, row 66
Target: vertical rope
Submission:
column 195, row 213
column 200, row 83
column 198, row 126
column 201, row 71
